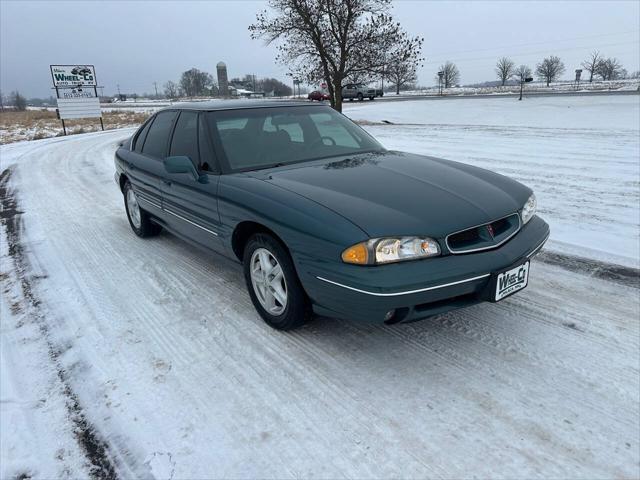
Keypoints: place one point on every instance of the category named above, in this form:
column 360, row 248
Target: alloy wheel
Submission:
column 267, row 279
column 133, row 208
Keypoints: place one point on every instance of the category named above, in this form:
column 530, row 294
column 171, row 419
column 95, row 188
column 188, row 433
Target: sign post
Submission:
column 76, row 89
column 522, row 82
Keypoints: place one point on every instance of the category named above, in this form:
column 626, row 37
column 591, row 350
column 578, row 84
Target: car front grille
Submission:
column 485, row 236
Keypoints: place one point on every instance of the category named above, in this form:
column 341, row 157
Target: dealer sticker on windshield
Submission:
column 511, row 281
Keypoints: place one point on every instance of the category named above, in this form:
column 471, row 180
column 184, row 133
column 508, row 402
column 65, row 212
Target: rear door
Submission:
column 191, row 204
column 145, row 168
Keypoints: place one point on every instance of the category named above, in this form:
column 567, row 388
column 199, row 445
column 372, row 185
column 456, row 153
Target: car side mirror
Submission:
column 183, row 164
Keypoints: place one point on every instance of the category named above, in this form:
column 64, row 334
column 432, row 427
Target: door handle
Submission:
column 166, row 182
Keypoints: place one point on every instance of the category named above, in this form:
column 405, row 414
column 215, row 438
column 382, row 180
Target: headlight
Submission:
column 529, row 209
column 388, row 250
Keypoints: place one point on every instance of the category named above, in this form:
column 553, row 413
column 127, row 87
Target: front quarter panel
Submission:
column 312, row 233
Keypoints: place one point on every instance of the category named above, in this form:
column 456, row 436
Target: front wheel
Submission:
column 139, row 220
column 273, row 284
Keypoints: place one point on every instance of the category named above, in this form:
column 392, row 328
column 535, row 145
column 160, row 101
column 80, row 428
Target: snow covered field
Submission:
column 128, row 358
column 581, row 155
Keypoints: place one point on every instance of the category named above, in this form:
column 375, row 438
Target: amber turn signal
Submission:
column 358, row 254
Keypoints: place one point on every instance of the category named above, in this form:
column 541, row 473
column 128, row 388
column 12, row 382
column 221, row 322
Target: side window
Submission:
column 158, row 136
column 185, row 137
column 139, row 140
column 207, row 161
column 329, row 127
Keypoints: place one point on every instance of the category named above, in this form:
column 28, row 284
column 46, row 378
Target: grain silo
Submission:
column 223, row 81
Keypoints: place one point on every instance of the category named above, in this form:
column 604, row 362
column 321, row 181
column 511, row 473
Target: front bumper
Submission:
column 418, row 289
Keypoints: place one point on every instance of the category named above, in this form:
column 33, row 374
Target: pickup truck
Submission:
column 359, row 91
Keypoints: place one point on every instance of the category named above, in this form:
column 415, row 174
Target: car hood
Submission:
column 395, row 193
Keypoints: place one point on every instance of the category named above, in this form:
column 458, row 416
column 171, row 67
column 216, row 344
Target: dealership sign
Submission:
column 73, row 76
column 77, row 91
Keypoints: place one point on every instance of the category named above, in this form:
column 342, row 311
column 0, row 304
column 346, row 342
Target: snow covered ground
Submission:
column 581, row 155
column 130, row 358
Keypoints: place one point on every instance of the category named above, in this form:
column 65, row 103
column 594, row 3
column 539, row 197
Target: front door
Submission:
column 191, row 205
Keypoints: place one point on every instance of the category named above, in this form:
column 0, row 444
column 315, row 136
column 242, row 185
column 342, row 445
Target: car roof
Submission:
column 212, row 105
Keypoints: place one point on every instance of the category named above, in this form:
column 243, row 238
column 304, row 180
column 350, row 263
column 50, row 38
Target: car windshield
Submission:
column 250, row 139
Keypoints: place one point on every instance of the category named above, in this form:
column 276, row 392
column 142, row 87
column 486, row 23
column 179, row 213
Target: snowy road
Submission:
column 146, row 358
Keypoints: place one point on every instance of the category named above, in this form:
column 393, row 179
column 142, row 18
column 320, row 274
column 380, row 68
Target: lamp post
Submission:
column 440, row 75
column 522, row 82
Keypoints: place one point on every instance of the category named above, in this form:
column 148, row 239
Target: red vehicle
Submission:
column 317, row 95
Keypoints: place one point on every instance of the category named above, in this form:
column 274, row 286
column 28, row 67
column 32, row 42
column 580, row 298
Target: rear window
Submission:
column 157, row 139
column 139, row 140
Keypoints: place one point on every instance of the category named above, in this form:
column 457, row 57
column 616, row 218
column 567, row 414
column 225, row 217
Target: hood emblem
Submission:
column 490, row 230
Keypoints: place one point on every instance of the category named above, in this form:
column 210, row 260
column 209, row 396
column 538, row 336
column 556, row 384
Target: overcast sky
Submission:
column 134, row 44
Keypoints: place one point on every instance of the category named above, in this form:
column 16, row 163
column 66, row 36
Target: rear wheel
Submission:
column 139, row 220
column 273, row 284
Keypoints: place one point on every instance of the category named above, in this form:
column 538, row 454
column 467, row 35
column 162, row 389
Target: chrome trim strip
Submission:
column 408, row 292
column 539, row 247
column 495, row 245
column 189, row 221
column 144, row 198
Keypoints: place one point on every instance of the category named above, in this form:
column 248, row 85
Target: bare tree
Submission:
column 550, row 69
column 505, row 69
column 171, row 90
column 278, row 88
column 450, row 75
column 195, row 82
column 18, row 101
column 610, row 69
column 522, row 72
column 591, row 64
column 332, row 40
column 401, row 68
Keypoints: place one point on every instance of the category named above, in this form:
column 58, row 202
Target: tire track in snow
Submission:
column 94, row 448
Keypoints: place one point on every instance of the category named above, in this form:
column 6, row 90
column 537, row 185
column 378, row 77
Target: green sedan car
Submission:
column 322, row 217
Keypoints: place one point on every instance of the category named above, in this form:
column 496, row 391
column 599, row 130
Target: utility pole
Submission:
column 118, row 85
column 155, row 84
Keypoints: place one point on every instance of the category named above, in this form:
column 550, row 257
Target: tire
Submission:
column 371, row 98
column 140, row 222
column 360, row 97
column 351, row 99
column 296, row 309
